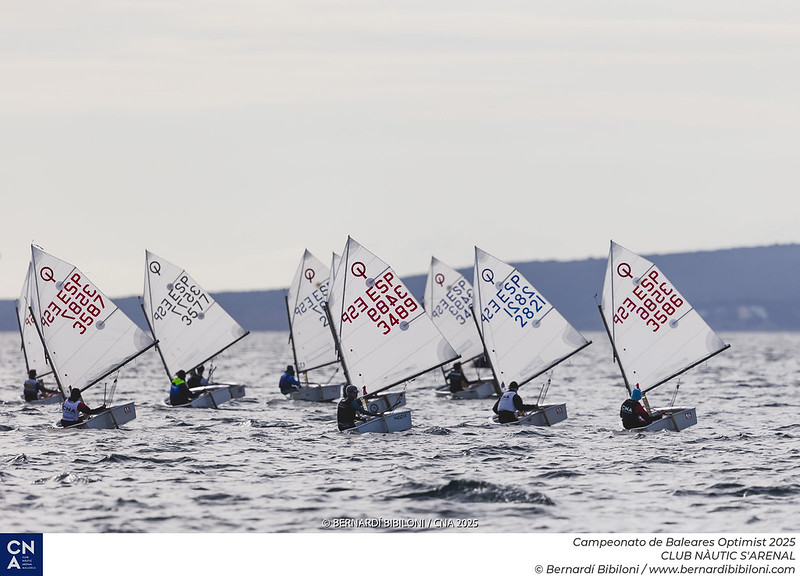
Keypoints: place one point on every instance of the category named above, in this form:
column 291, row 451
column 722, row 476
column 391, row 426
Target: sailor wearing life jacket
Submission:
column 456, row 379
column 196, row 378
column 34, row 389
column 348, row 407
column 633, row 414
column 72, row 408
column 179, row 392
column 288, row 383
column 509, row 403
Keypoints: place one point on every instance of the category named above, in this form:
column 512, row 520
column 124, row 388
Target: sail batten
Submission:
column 383, row 334
column 656, row 334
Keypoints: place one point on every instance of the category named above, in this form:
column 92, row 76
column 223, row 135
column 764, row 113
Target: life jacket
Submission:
column 287, row 383
column 69, row 411
column 630, row 419
column 177, row 393
column 454, row 377
column 507, row 402
column 345, row 413
column 31, row 389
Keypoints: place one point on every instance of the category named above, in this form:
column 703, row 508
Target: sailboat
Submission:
column 85, row 336
column 523, row 333
column 448, row 302
column 382, row 334
column 655, row 333
column 309, row 333
column 32, row 348
column 190, row 326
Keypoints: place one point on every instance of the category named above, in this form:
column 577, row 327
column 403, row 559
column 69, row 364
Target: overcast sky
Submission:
column 227, row 137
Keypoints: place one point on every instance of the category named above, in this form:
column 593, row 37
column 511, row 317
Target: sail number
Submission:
column 520, row 302
column 187, row 301
column 312, row 303
column 77, row 301
column 385, row 303
column 655, row 302
column 457, row 302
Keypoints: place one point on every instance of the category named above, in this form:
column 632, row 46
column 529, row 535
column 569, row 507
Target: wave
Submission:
column 474, row 491
column 742, row 491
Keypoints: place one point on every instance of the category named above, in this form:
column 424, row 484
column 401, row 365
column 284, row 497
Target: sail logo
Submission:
column 21, row 554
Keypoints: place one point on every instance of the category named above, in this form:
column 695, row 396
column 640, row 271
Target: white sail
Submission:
column 85, row 334
column 190, row 326
column 383, row 333
column 312, row 339
column 655, row 332
column 523, row 333
column 448, row 301
column 35, row 358
column 335, row 261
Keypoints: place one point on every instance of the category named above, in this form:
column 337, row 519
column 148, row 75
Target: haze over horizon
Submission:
column 228, row 138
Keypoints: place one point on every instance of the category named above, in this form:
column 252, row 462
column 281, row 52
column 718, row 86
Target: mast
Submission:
column 22, row 339
column 496, row 382
column 614, row 349
column 336, row 344
column 160, row 355
column 47, row 355
column 291, row 336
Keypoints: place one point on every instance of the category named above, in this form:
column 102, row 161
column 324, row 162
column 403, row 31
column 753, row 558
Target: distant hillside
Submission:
column 736, row 289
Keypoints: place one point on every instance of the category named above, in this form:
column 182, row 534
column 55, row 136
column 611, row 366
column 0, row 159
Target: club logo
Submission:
column 21, row 554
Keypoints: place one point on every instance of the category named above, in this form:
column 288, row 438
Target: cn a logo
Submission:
column 21, row 554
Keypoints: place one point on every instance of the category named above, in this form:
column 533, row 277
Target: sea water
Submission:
column 265, row 464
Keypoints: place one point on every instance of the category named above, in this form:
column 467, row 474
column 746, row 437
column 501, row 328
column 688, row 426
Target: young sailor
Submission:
column 349, row 406
column 633, row 414
column 34, row 388
column 288, row 382
column 179, row 392
column 196, row 379
column 456, row 378
column 72, row 408
column 509, row 403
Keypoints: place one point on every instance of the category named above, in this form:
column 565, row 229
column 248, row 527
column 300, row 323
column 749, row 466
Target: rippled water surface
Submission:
column 266, row 464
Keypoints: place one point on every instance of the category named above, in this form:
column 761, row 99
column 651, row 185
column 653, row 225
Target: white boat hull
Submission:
column 54, row 399
column 384, row 424
column 545, row 416
column 112, row 418
column 673, row 419
column 482, row 389
column 386, row 402
column 212, row 396
column 317, row 393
